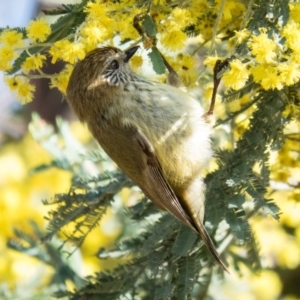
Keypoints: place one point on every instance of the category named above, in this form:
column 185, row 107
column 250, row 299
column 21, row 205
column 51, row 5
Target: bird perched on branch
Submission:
column 156, row 133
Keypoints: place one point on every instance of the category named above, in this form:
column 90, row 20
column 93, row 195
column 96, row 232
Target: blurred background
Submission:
column 22, row 192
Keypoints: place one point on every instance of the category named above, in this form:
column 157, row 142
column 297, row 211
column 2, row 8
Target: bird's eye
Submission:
column 114, row 65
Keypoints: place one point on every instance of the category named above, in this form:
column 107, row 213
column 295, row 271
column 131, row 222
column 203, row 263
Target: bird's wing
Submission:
column 165, row 195
column 155, row 185
column 134, row 154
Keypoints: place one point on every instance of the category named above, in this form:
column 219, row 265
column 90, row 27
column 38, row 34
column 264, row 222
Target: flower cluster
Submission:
column 273, row 59
column 108, row 23
column 22, row 87
column 9, row 40
column 273, row 63
column 12, row 44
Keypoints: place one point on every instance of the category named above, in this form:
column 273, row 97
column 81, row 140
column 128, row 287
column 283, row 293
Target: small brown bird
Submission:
column 155, row 133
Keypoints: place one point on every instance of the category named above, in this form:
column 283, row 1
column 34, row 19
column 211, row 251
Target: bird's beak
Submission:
column 130, row 52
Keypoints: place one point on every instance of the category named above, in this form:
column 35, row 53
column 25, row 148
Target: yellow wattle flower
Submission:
column 38, row 30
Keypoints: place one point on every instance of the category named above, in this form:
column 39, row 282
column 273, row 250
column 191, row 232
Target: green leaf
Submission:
column 157, row 61
column 160, row 231
column 184, row 241
column 239, row 225
column 164, row 292
column 155, row 260
column 64, row 9
column 18, row 29
column 186, row 271
column 236, row 201
column 18, row 62
column 42, row 168
column 285, row 12
column 268, row 206
column 149, row 26
column 93, row 155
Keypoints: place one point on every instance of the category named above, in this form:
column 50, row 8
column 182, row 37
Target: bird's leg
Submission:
column 173, row 78
column 219, row 66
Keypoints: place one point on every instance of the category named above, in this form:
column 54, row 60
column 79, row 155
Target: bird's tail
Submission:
column 193, row 202
column 209, row 244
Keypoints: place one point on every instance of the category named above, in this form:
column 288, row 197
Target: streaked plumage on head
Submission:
column 154, row 132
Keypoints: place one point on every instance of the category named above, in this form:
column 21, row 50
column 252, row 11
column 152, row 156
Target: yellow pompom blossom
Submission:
column 174, row 40
column 295, row 11
column 73, row 52
column 92, row 33
column 96, row 10
column 289, row 73
column 126, row 30
column 204, row 15
column 231, row 14
column 124, row 25
column 61, row 80
column 237, row 76
column 7, row 55
column 181, row 17
column 234, row 106
column 232, row 9
column 11, row 38
column 25, row 91
column 285, row 157
column 291, row 109
column 11, row 82
column 206, row 29
column 33, row 62
column 259, row 72
column 268, row 76
column 198, row 7
column 22, row 88
column 67, row 51
column 185, row 62
column 295, row 56
column 228, row 9
column 186, row 68
column 57, row 50
column 98, row 26
column 295, row 196
column 292, row 34
column 272, row 80
column 263, row 48
column 136, row 62
column 210, row 61
column 38, row 30
column 241, row 35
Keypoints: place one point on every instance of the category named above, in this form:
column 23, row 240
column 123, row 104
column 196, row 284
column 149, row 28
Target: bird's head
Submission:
column 97, row 77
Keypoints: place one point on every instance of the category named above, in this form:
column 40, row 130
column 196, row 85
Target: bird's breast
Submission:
column 173, row 123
